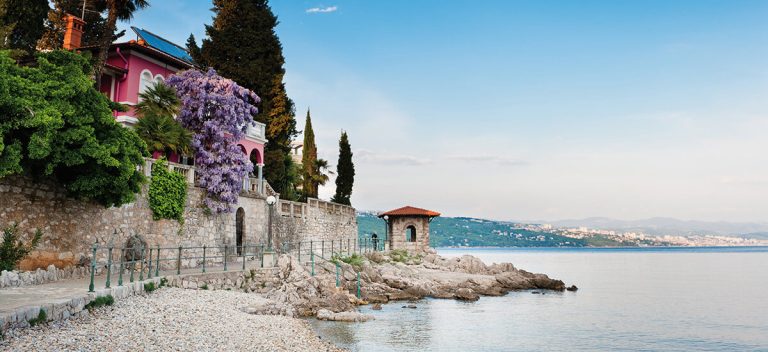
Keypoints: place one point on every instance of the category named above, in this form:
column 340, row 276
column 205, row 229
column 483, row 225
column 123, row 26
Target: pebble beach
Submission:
column 172, row 319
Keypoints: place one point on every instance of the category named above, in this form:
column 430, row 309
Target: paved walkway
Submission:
column 12, row 298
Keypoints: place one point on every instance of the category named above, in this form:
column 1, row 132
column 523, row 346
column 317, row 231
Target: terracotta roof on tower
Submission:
column 410, row 211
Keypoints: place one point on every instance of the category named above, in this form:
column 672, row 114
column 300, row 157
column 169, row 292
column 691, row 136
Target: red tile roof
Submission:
column 410, row 211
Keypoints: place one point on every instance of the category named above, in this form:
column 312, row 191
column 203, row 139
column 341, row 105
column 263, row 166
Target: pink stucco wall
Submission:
column 125, row 89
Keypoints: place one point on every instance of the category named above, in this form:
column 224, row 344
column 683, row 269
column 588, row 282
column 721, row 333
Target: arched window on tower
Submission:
column 145, row 82
column 410, row 233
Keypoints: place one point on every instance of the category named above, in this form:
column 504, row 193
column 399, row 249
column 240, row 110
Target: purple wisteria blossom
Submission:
column 217, row 111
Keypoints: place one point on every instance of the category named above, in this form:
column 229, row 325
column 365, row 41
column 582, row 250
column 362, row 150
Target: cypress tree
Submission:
column 242, row 45
column 308, row 160
column 24, row 21
column 345, row 171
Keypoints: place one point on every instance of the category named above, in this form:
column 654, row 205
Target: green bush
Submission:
column 12, row 250
column 402, row 256
column 107, row 300
column 150, row 287
column 204, row 287
column 42, row 317
column 55, row 125
column 167, row 193
column 163, row 282
column 355, row 259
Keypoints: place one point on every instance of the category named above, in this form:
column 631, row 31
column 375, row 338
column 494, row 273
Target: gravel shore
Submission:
column 173, row 319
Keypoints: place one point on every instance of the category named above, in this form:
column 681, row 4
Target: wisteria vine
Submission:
column 218, row 112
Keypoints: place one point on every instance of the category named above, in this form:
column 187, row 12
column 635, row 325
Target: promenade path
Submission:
column 14, row 298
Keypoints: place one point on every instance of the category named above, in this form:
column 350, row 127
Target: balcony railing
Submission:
column 250, row 184
column 256, row 131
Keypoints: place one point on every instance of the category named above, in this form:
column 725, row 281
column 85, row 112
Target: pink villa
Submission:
column 136, row 65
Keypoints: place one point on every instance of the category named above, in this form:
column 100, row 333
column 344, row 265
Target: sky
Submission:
column 530, row 110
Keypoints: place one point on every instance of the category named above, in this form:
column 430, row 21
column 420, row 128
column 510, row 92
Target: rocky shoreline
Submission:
column 390, row 276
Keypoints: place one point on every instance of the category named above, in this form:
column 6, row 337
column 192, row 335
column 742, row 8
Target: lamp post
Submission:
column 386, row 230
column 271, row 200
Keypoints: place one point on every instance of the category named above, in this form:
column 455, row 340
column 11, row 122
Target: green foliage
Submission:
column 308, row 160
column 42, row 317
column 101, row 301
column 24, row 22
column 260, row 69
column 56, row 25
column 163, row 282
column 157, row 126
column 150, row 287
column 355, row 259
column 345, row 171
column 56, row 125
column 402, row 256
column 167, row 193
column 287, row 173
column 204, row 287
column 12, row 250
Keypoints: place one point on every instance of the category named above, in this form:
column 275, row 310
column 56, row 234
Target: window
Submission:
column 410, row 233
column 145, row 82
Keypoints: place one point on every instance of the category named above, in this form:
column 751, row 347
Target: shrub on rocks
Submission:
column 12, row 250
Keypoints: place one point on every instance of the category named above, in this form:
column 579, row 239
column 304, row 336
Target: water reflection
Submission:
column 628, row 300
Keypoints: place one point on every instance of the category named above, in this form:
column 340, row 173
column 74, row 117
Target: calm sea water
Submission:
column 667, row 299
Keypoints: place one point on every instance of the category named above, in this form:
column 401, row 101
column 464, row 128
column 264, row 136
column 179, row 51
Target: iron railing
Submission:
column 137, row 262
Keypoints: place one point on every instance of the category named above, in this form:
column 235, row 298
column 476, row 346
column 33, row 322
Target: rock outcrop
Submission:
column 384, row 279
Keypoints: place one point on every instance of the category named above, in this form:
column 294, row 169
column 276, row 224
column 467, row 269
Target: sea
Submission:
column 629, row 299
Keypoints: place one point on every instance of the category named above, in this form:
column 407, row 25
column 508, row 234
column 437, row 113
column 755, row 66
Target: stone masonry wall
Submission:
column 70, row 227
column 397, row 233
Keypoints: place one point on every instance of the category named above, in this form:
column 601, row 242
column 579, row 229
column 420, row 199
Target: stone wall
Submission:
column 398, row 238
column 71, row 227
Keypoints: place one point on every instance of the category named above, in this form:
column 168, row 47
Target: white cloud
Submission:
column 390, row 159
column 496, row 159
column 322, row 9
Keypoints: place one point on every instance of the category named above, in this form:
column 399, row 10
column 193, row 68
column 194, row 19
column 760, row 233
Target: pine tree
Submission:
column 309, row 160
column 194, row 50
column 26, row 20
column 242, row 45
column 345, row 170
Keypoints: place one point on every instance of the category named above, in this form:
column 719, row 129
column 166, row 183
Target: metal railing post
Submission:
column 312, row 259
column 299, row 252
column 358, row 284
column 120, row 277
column 337, row 274
column 348, row 252
column 322, row 249
column 149, row 263
column 93, row 268
column 242, row 252
column 109, row 266
column 141, row 268
column 133, row 261
column 332, row 248
column 178, row 262
column 225, row 257
column 203, row 258
column 157, row 267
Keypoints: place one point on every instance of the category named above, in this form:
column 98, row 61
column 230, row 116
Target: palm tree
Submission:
column 319, row 176
column 159, row 98
column 157, row 126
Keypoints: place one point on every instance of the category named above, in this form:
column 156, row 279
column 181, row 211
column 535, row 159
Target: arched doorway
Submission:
column 410, row 233
column 255, row 157
column 240, row 229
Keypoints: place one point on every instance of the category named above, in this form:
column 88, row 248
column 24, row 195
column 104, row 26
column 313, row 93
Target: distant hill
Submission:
column 447, row 231
column 660, row 226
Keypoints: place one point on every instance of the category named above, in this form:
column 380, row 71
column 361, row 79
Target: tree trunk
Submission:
column 106, row 41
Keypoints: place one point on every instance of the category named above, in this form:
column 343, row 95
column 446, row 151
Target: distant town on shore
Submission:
column 474, row 232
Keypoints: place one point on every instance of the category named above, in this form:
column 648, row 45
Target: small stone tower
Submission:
column 408, row 228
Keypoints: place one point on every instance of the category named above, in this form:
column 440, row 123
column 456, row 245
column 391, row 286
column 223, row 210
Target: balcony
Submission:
column 257, row 132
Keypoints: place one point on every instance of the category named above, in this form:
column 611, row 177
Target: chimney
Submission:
column 74, row 32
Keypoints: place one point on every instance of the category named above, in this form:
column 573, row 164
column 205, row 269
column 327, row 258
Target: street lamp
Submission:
column 386, row 229
column 271, row 200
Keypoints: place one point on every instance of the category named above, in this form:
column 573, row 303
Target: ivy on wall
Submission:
column 167, row 193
